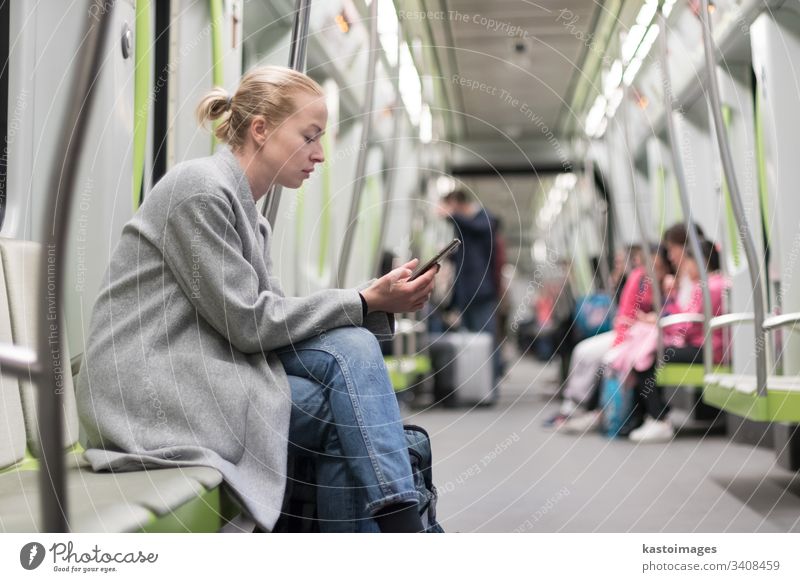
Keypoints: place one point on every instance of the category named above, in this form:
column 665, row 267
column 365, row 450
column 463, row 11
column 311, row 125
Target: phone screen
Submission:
column 443, row 254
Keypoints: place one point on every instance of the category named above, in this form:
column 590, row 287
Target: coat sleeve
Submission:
column 204, row 252
column 380, row 323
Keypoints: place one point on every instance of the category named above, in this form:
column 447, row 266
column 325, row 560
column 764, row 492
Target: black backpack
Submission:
column 299, row 513
column 419, row 450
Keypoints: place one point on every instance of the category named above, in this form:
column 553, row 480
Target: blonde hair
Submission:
column 267, row 91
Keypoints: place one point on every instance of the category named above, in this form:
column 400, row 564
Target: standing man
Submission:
column 475, row 292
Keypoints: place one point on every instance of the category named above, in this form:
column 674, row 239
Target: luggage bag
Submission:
column 462, row 364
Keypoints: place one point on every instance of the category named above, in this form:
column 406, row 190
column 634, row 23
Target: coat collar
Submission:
column 225, row 157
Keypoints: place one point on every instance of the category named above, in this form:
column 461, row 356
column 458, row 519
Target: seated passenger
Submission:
column 196, row 357
column 683, row 342
column 583, row 388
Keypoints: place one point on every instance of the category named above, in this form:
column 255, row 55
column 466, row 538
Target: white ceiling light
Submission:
column 613, row 78
column 595, row 116
column 410, row 85
column 647, row 12
column 388, row 30
column 632, row 40
column 426, row 124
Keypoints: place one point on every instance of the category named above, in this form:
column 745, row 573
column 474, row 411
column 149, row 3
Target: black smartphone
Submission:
column 443, row 254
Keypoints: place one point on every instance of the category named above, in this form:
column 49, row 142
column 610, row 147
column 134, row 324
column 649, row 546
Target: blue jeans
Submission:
column 345, row 413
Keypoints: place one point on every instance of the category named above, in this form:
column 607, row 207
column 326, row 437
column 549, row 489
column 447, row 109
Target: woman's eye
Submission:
column 310, row 139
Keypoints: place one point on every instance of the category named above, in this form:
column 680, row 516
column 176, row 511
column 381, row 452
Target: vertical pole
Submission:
column 602, row 263
column 297, row 61
column 392, row 159
column 677, row 163
column 754, row 265
column 49, row 340
column 361, row 162
column 648, row 256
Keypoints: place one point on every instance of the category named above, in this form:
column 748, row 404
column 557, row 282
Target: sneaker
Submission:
column 555, row 421
column 582, row 423
column 653, row 431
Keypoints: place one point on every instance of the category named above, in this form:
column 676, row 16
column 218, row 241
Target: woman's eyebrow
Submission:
column 318, row 129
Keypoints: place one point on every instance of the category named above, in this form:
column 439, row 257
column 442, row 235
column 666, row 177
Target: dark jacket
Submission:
column 474, row 260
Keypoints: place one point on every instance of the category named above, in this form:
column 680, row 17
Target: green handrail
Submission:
column 141, row 95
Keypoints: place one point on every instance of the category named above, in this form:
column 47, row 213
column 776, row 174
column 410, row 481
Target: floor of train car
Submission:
column 499, row 470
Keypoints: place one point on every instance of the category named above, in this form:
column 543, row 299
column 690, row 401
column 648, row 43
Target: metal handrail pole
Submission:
column 297, row 61
column 729, row 319
column 745, row 233
column 361, row 161
column 648, row 256
column 392, row 158
column 602, row 264
column 677, row 163
column 783, row 320
column 55, row 224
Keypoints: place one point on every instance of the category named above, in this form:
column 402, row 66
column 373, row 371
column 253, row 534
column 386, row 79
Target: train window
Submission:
column 5, row 46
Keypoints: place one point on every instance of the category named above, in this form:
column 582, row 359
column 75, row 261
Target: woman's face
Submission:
column 675, row 254
column 691, row 269
column 294, row 147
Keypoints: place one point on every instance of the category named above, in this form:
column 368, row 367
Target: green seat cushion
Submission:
column 737, row 394
column 112, row 502
column 685, row 374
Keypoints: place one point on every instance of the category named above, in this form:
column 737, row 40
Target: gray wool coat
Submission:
column 179, row 366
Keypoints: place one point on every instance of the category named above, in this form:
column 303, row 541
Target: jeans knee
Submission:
column 353, row 344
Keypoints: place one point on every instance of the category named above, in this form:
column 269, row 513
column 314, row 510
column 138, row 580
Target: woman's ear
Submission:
column 259, row 130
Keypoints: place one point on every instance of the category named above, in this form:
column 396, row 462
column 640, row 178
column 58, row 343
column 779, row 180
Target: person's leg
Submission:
column 587, row 358
column 685, row 355
column 652, row 396
column 636, row 414
column 341, row 502
column 363, row 442
column 592, row 401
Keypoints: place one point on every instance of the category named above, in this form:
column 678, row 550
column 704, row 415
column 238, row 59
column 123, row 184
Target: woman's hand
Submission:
column 650, row 317
column 393, row 293
column 668, row 284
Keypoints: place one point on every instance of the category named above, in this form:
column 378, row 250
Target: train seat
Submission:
column 173, row 499
column 738, row 394
column 686, row 375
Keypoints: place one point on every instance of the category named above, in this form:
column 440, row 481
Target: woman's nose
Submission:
column 318, row 155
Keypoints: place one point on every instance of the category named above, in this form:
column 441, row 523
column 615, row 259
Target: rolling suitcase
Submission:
column 462, row 364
